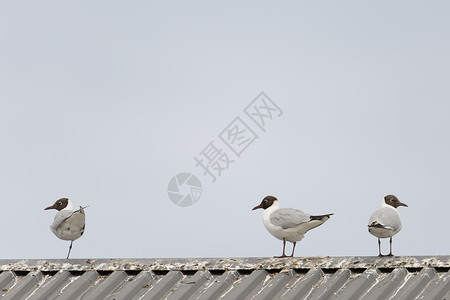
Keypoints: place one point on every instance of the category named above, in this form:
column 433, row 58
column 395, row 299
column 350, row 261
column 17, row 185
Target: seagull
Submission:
column 68, row 224
column 385, row 222
column 287, row 224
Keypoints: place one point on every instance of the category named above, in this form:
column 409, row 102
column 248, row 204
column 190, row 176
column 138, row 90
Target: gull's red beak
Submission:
column 256, row 207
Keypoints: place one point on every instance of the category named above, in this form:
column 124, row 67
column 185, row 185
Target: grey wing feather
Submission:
column 64, row 215
column 289, row 217
column 60, row 217
column 385, row 217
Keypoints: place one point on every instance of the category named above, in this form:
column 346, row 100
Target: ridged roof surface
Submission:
column 425, row 277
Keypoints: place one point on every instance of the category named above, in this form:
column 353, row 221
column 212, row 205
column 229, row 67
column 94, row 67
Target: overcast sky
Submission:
column 105, row 102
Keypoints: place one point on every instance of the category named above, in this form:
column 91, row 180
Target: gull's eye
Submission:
column 59, row 203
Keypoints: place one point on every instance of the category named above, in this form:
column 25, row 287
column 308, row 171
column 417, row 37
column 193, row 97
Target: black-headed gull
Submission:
column 68, row 224
column 385, row 222
column 288, row 224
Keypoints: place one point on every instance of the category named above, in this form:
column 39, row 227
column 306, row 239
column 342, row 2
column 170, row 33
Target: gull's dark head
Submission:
column 266, row 202
column 59, row 204
column 393, row 201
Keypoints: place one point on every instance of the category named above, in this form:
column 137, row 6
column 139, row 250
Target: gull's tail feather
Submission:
column 322, row 218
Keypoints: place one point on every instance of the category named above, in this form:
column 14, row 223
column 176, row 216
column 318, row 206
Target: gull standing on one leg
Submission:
column 68, row 224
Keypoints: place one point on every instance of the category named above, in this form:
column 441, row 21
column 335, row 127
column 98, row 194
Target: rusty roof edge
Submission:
column 238, row 263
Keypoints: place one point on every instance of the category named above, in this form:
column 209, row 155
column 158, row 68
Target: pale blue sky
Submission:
column 104, row 102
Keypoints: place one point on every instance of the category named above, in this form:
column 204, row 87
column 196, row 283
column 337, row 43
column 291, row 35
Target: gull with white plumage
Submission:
column 385, row 222
column 288, row 224
column 68, row 224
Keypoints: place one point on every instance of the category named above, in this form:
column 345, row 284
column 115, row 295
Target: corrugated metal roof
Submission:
column 228, row 278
